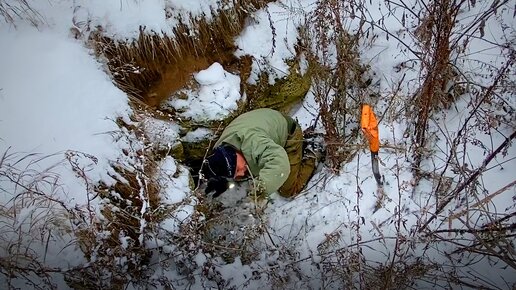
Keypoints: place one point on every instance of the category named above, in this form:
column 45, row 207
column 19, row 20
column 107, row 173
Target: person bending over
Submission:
column 265, row 146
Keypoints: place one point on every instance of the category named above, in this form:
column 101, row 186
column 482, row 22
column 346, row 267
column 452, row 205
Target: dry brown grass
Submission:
column 336, row 83
column 130, row 208
column 434, row 35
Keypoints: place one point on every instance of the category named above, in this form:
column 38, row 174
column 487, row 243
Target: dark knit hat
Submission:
column 221, row 163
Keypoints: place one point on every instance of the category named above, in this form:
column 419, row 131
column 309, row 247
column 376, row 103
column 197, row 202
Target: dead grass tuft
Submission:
column 434, row 36
column 336, row 78
column 115, row 243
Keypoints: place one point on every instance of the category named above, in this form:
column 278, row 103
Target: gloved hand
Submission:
column 217, row 184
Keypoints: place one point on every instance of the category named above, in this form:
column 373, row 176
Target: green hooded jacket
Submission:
column 261, row 135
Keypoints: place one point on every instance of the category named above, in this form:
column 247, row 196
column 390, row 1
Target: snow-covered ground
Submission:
column 58, row 103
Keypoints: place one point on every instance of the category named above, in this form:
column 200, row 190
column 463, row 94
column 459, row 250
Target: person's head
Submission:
column 221, row 163
column 225, row 161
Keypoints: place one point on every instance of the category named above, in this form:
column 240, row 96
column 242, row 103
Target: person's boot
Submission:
column 314, row 147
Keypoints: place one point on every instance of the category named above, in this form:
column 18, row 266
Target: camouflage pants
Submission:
column 301, row 170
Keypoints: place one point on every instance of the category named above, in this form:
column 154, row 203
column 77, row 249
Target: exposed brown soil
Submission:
column 177, row 75
column 174, row 77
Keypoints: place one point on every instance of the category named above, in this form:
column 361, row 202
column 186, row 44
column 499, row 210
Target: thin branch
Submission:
column 468, row 181
column 510, row 227
column 483, row 201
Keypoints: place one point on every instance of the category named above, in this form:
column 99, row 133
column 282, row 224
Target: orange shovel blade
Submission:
column 369, row 126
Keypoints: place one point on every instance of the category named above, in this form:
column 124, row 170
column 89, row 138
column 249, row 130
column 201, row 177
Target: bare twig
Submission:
column 468, row 181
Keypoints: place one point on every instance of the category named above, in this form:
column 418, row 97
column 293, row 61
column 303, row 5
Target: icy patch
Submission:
column 174, row 181
column 198, row 135
column 175, row 188
column 161, row 133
